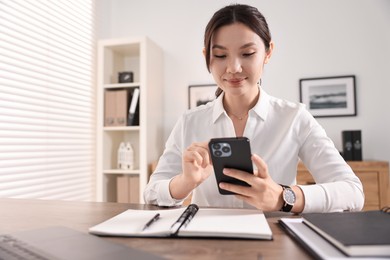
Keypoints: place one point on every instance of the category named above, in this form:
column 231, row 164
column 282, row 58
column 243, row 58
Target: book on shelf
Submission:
column 365, row 233
column 121, row 103
column 133, row 114
column 121, row 107
column 109, row 108
column 187, row 222
column 115, row 107
column 127, row 189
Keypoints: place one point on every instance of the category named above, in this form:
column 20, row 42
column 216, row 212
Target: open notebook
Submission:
column 189, row 222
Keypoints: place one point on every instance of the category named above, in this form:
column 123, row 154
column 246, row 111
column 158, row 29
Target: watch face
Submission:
column 289, row 196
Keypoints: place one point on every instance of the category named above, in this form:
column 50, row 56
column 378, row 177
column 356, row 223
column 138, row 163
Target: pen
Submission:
column 150, row 222
column 184, row 218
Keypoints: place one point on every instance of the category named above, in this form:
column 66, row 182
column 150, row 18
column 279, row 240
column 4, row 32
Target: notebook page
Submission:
column 241, row 223
column 131, row 222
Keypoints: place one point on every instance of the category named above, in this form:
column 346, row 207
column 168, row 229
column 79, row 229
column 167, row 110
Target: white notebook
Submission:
column 189, row 222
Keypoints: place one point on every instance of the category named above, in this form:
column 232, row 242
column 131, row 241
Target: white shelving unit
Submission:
column 144, row 58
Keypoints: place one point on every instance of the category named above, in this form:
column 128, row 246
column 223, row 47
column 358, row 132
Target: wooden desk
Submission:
column 20, row 214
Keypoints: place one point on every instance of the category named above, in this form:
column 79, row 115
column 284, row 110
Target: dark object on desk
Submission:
column 310, row 240
column 365, row 233
column 64, row 243
column 352, row 145
column 125, row 77
column 151, row 221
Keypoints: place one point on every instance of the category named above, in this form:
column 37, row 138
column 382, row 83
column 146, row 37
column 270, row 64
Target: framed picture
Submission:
column 201, row 94
column 330, row 96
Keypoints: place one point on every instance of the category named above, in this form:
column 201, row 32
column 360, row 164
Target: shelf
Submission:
column 121, row 85
column 121, row 128
column 144, row 59
column 120, row 171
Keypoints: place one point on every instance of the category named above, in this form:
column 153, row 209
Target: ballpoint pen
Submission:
column 150, row 222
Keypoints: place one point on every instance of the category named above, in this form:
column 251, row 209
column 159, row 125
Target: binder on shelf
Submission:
column 115, row 107
column 127, row 189
column 133, row 114
column 109, row 108
column 122, row 101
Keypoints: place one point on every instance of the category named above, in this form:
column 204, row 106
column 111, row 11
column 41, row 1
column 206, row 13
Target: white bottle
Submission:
column 128, row 163
column 121, row 155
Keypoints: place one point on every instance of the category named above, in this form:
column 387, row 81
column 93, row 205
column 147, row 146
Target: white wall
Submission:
column 313, row 39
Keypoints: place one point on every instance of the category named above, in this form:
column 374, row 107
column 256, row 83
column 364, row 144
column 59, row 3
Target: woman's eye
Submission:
column 248, row 54
column 220, row 56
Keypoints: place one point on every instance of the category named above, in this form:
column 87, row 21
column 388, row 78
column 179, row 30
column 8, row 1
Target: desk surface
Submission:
column 23, row 214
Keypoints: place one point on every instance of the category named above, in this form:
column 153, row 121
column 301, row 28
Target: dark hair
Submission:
column 236, row 13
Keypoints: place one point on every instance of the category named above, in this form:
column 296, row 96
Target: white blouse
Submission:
column 280, row 132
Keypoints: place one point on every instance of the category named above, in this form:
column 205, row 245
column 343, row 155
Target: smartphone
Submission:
column 232, row 152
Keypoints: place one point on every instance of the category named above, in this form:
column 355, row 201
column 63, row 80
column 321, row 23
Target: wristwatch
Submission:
column 289, row 198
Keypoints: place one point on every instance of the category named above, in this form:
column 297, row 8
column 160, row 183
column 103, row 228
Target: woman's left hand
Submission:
column 264, row 193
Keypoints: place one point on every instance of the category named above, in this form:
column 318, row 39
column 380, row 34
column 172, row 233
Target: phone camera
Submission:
column 217, row 153
column 221, row 150
column 226, row 149
column 216, row 146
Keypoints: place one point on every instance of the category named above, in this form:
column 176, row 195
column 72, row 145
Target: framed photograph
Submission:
column 201, row 94
column 330, row 96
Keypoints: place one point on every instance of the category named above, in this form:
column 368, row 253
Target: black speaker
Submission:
column 357, row 145
column 125, row 77
column 347, row 145
column 352, row 145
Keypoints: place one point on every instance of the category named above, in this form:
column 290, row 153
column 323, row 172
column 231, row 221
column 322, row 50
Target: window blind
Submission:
column 47, row 99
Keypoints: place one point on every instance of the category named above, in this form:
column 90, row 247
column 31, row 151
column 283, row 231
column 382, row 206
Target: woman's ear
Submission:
column 204, row 51
column 269, row 52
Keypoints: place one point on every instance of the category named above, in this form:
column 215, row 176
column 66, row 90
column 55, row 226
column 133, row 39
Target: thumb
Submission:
column 262, row 168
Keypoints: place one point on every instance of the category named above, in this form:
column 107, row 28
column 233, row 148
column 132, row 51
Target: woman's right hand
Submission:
column 196, row 168
column 197, row 163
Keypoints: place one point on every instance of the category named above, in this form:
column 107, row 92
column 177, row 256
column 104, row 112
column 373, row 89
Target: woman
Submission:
column 237, row 46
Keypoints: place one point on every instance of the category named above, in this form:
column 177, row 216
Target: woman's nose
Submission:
column 234, row 66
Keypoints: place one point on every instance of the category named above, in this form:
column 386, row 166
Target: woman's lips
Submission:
column 235, row 81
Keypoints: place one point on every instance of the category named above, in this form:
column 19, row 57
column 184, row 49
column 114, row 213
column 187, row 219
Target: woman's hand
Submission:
column 197, row 163
column 196, row 168
column 264, row 193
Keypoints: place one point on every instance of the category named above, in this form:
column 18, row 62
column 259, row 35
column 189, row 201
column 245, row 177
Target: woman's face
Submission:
column 237, row 59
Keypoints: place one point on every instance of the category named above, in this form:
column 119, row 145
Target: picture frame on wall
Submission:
column 201, row 94
column 329, row 96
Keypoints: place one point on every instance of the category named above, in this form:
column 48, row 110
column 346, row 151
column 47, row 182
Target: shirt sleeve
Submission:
column 337, row 187
column 169, row 165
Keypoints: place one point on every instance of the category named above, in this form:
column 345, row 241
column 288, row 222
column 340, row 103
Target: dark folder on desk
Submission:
column 354, row 233
column 64, row 243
